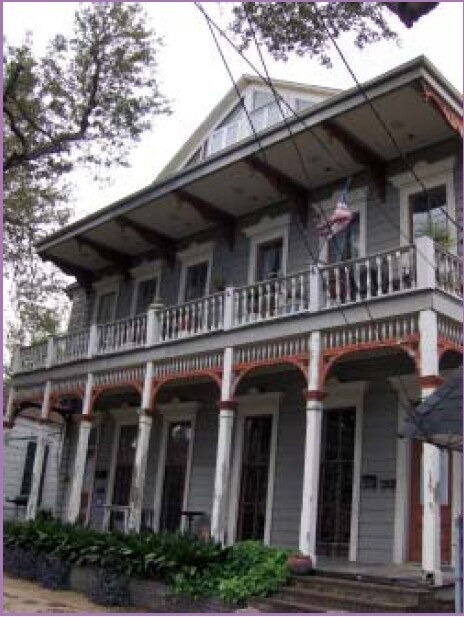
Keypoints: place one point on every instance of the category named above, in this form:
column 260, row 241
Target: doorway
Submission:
column 336, row 482
column 257, row 431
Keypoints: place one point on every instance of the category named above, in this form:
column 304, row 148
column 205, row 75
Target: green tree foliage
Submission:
column 83, row 102
column 300, row 27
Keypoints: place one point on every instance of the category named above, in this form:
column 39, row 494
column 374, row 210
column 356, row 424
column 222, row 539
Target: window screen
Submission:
column 146, row 292
column 428, row 214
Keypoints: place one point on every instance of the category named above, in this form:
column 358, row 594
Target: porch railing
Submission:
column 272, row 298
column 31, row 358
column 191, row 318
column 370, row 277
column 448, row 268
column 420, row 266
column 122, row 334
column 72, row 346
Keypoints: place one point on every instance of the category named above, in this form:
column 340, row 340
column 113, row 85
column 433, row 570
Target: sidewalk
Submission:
column 23, row 597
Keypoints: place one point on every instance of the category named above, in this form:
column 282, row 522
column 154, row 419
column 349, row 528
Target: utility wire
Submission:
column 383, row 210
column 382, row 122
column 210, row 22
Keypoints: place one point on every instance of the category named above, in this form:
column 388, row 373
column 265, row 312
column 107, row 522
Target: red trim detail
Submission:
column 448, row 114
column 314, row 395
column 81, row 417
column 232, row 405
column 430, row 381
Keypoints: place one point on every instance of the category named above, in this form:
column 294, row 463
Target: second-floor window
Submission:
column 269, row 260
column 346, row 244
column 106, row 307
column 146, row 292
column 428, row 214
column 195, row 281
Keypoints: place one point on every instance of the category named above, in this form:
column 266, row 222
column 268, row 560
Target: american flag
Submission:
column 340, row 219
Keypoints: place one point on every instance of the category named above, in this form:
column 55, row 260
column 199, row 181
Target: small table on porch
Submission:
column 189, row 515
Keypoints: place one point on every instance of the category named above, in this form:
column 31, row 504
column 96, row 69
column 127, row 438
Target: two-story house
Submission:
column 223, row 358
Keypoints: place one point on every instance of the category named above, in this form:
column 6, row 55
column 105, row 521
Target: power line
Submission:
column 269, row 82
column 382, row 122
column 324, row 146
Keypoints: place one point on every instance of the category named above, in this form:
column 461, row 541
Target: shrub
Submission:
column 110, row 588
column 190, row 566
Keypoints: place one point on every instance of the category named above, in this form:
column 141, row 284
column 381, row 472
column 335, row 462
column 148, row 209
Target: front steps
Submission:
column 322, row 592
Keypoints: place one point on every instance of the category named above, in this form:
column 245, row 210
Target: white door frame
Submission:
column 342, row 396
column 97, row 426
column 172, row 413
column 253, row 405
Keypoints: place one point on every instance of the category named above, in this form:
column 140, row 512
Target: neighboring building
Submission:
column 227, row 360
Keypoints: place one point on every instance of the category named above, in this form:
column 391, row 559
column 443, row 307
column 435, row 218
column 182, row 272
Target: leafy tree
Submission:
column 84, row 102
column 301, row 27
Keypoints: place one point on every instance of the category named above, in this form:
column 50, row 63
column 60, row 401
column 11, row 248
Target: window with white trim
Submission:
column 195, row 278
column 268, row 248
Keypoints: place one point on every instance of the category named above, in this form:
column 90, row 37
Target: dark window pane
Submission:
column 428, row 213
column 124, row 465
column 177, row 449
column 345, row 245
column 105, row 307
column 28, row 467
column 146, row 292
column 195, row 281
column 269, row 260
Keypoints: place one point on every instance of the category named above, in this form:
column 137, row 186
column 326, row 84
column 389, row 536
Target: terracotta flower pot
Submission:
column 300, row 564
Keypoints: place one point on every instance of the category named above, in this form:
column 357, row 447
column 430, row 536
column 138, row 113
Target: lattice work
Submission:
column 120, row 376
column 68, row 386
column 263, row 352
column 371, row 332
column 450, row 330
column 188, row 364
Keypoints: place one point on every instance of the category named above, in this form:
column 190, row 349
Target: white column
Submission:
column 312, row 458
column 403, row 480
column 85, row 426
column 139, row 473
column 223, row 455
column 425, row 259
column 93, row 340
column 37, row 470
column 429, row 381
column 228, row 308
column 456, row 497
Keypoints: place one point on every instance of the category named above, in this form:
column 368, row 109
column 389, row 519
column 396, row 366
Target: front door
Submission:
column 254, row 477
column 178, row 445
column 336, row 482
column 123, row 473
column 415, row 530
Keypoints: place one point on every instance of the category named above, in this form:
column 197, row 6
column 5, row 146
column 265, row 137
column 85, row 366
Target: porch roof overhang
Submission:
column 337, row 138
column 439, row 418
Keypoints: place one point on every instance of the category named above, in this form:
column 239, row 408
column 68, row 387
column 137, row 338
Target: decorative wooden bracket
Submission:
column 450, row 116
column 210, row 213
column 83, row 276
column 293, row 190
column 165, row 246
column 361, row 153
column 121, row 260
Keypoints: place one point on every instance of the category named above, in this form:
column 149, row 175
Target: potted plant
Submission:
column 300, row 564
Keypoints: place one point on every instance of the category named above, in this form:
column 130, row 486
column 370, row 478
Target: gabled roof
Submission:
column 439, row 418
column 225, row 106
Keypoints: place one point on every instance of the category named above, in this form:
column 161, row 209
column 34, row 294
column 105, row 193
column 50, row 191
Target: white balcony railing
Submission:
column 121, row 335
column 448, row 268
column 32, row 358
column 192, row 318
column 71, row 347
column 272, row 298
column 401, row 270
column 361, row 279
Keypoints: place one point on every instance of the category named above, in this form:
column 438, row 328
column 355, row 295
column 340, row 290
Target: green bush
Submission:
column 189, row 566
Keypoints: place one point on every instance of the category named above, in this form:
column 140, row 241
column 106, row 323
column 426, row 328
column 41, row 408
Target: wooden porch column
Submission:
column 85, row 426
column 312, row 459
column 429, row 380
column 141, row 454
column 37, row 470
column 222, row 476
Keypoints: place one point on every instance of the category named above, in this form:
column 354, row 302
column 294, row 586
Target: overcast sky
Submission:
column 192, row 75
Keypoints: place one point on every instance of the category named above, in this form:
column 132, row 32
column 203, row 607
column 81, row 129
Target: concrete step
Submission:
column 274, row 605
column 364, row 602
column 352, row 588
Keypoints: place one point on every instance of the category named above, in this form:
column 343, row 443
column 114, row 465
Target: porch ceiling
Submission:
column 335, row 143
